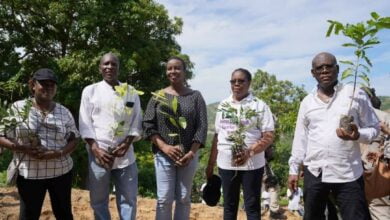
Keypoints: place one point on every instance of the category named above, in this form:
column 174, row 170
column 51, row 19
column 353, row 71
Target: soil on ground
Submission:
column 9, row 208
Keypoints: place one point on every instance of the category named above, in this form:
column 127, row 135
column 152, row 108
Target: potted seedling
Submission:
column 362, row 36
column 170, row 109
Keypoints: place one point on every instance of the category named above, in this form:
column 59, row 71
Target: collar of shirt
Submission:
column 247, row 99
column 337, row 88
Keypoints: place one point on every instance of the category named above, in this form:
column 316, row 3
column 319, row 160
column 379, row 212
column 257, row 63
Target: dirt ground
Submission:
column 9, row 208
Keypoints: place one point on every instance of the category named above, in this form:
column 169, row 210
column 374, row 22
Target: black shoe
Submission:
column 276, row 215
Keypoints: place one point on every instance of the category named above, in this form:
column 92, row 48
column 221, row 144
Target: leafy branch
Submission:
column 11, row 117
column 362, row 37
column 118, row 127
column 239, row 119
column 179, row 122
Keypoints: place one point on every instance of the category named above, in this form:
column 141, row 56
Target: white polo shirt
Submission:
column 223, row 127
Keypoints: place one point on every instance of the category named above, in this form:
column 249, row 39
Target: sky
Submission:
column 280, row 37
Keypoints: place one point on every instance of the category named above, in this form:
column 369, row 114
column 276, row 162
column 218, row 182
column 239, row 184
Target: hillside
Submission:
column 385, row 103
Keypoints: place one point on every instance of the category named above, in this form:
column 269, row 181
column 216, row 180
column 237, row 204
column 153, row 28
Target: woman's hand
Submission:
column 242, row 157
column 48, row 154
column 185, row 160
column 173, row 152
column 27, row 149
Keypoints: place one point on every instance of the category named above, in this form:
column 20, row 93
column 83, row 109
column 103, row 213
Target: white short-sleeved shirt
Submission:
column 100, row 109
column 224, row 127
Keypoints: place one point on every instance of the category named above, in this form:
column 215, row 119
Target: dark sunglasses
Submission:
column 239, row 81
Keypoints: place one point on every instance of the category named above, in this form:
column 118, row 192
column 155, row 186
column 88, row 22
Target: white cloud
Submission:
column 278, row 36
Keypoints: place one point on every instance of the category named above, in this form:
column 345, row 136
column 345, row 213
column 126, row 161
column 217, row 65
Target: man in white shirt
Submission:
column 331, row 155
column 110, row 120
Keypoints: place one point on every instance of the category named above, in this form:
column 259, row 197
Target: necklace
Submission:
column 44, row 111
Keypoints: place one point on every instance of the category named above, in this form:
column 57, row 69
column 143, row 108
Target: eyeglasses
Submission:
column 325, row 66
column 239, row 81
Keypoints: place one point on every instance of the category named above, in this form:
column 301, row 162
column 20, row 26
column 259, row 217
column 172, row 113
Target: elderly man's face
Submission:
column 325, row 70
column 109, row 67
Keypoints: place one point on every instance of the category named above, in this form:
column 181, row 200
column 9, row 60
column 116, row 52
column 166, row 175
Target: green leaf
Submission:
column 364, row 77
column 368, row 61
column 347, row 73
column 330, row 29
column 358, row 53
column 182, row 122
column 346, row 62
column 349, row 45
column 173, row 122
column 164, row 113
column 174, row 104
column 362, row 85
column 367, row 90
column 339, row 27
column 173, row 135
column 366, row 68
column 375, row 15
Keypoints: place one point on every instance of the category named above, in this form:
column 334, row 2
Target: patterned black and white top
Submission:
column 53, row 130
column 191, row 106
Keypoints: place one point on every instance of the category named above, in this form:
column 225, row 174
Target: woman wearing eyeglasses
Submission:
column 42, row 138
column 244, row 128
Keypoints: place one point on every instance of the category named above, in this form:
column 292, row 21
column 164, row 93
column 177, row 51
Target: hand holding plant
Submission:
column 11, row 117
column 242, row 121
column 106, row 158
column 362, row 36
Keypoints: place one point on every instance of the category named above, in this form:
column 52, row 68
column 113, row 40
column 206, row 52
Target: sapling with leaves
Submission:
column 242, row 119
column 171, row 112
column 123, row 113
column 363, row 36
column 12, row 117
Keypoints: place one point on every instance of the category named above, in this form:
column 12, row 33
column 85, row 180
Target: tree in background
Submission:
column 70, row 36
column 284, row 98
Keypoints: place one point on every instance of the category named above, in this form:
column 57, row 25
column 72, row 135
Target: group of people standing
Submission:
column 111, row 120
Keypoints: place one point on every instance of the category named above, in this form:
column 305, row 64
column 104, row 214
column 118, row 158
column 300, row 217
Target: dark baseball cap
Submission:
column 212, row 191
column 45, row 74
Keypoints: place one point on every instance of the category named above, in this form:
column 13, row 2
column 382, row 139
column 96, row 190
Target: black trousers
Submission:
column 349, row 196
column 251, row 186
column 32, row 194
